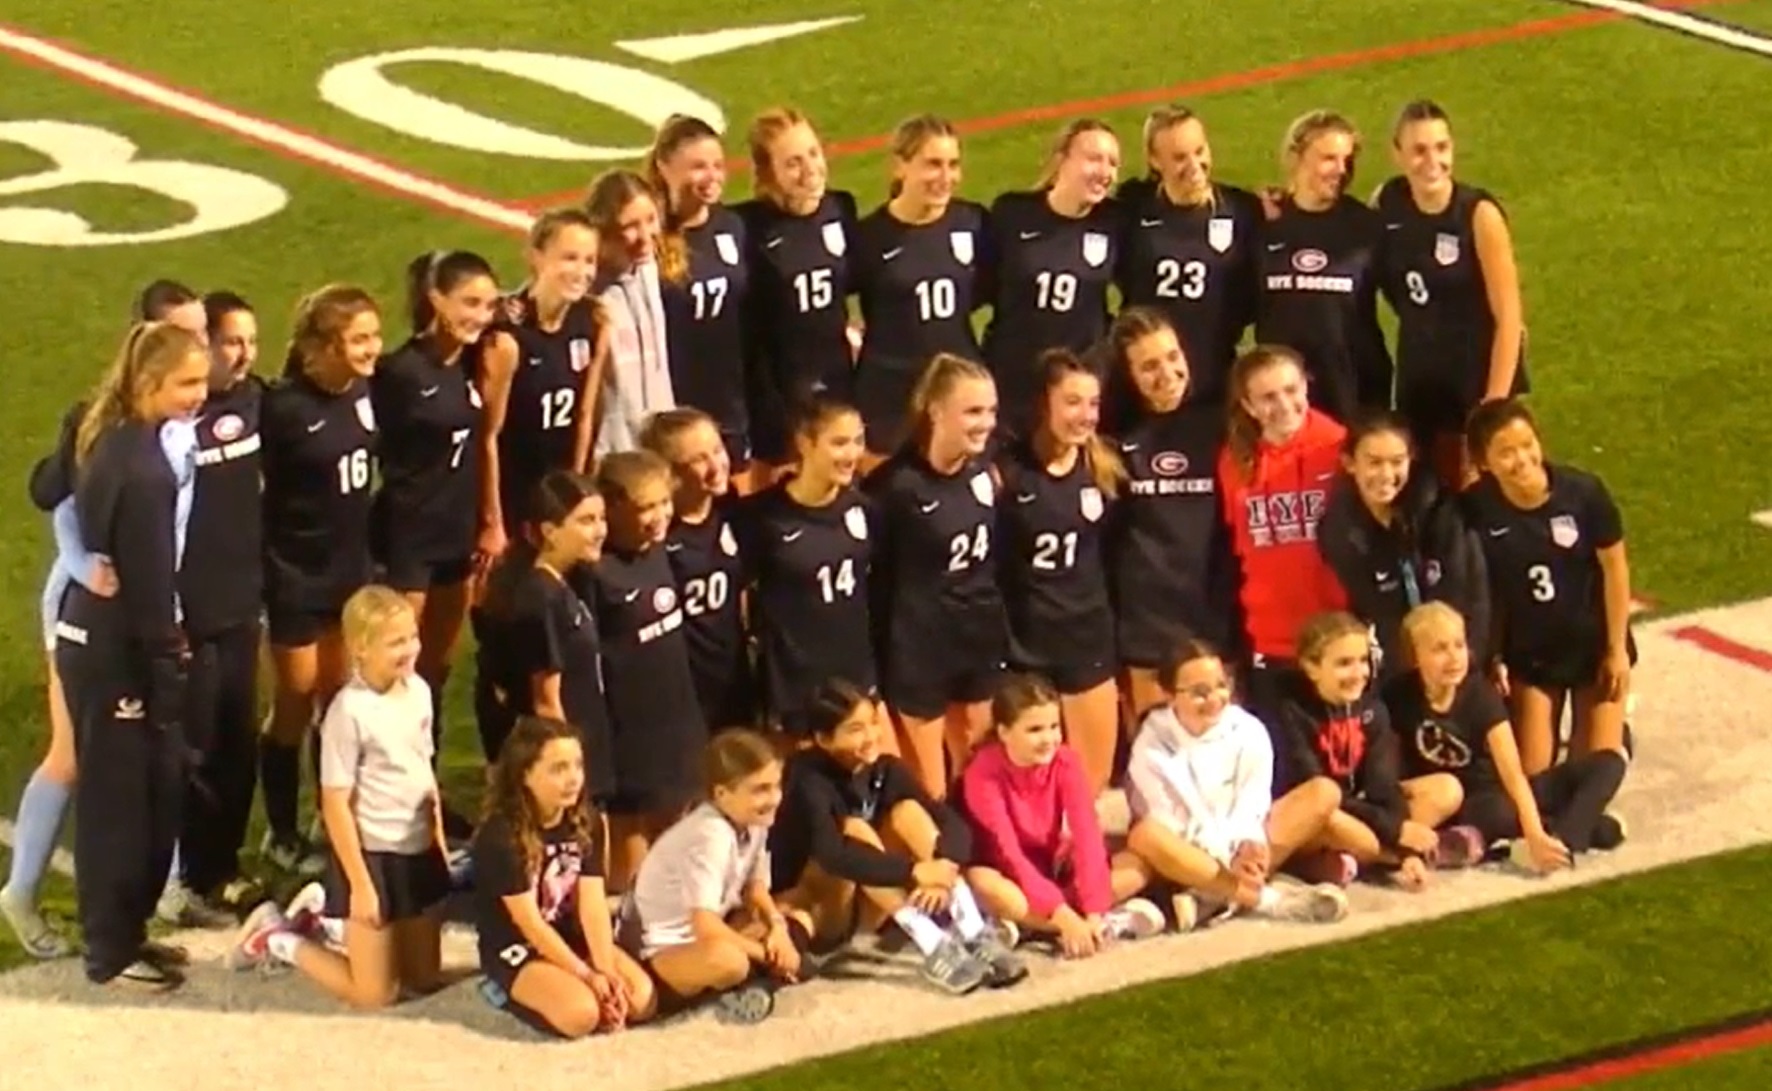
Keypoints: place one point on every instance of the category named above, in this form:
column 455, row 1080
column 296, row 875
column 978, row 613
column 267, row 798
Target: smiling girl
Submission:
column 1448, row 271
column 1052, row 252
column 938, row 606
column 636, row 259
column 319, row 432
column 547, row 945
column 920, row 272
column 384, row 822
column 1319, row 270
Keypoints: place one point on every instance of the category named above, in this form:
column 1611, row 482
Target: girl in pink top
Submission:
column 1042, row 860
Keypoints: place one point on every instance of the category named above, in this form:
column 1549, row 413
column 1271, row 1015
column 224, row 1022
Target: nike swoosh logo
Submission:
column 773, row 243
column 1150, row 223
column 929, row 507
column 1381, row 576
column 673, row 547
column 429, row 391
column 632, row 595
column 1026, row 498
column 316, row 426
column 535, row 361
column 792, row 535
column 1497, row 533
column 1026, row 235
column 1392, row 227
column 1275, row 247
column 1128, row 446
column 893, row 253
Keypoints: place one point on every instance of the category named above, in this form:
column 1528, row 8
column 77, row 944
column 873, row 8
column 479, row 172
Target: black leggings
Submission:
column 1571, row 799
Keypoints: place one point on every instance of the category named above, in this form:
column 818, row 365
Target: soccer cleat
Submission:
column 37, row 936
column 996, row 949
column 747, row 1005
column 1137, row 919
column 953, row 969
column 252, row 948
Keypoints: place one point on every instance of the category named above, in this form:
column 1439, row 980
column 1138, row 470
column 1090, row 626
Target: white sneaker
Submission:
column 1186, row 908
column 1138, row 918
column 305, row 911
column 252, row 948
column 1006, row 933
column 1324, row 903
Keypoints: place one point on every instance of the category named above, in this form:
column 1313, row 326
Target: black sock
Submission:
column 279, row 770
column 1597, row 778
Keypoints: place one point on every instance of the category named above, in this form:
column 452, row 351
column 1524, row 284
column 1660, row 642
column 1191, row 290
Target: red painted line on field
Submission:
column 1228, row 81
column 1718, row 644
column 1610, row 1070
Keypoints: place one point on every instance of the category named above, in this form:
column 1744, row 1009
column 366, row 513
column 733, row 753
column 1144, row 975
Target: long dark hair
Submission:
column 552, row 501
column 440, row 271
column 509, row 796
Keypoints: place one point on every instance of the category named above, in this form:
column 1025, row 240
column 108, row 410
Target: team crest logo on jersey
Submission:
column 1095, row 247
column 474, row 396
column 961, row 244
column 1221, row 231
column 834, row 239
column 1446, row 249
column 727, row 246
column 1090, row 499
column 366, row 414
column 728, row 544
column 984, row 489
column 1310, row 261
column 856, row 521
column 227, row 428
column 664, row 600
column 579, row 351
column 1169, row 464
column 1564, row 532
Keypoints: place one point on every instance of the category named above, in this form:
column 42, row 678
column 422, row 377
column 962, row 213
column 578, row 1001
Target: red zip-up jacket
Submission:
column 1273, row 517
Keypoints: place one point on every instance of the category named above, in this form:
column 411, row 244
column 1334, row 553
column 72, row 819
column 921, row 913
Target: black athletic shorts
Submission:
column 407, row 885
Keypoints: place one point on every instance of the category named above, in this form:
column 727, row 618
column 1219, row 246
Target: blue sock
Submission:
column 40, row 812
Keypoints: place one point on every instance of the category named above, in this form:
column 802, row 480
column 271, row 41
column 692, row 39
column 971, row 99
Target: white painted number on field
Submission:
column 363, row 87
column 217, row 198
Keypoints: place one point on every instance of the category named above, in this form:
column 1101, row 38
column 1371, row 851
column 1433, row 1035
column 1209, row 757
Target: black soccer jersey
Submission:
column 545, row 628
column 704, row 322
column 429, row 413
column 1197, row 267
column 809, row 572
column 1544, row 566
column 918, row 286
column 655, row 720
column 225, row 536
column 705, row 559
column 1051, row 275
column 546, row 397
column 936, row 599
column 319, row 451
column 500, row 872
column 1169, row 558
column 1319, row 296
column 1433, row 277
column 1053, row 574
column 798, row 311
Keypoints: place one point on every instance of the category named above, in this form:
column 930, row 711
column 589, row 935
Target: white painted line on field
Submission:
column 270, row 134
column 60, row 861
column 1763, row 518
column 678, row 48
column 1697, row 26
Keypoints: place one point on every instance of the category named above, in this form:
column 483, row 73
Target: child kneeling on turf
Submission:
column 1041, row 859
column 1200, row 787
column 547, row 946
column 856, row 821
column 382, row 811
column 700, row 915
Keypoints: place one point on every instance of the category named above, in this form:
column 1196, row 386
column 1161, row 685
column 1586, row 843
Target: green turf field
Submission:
column 1631, row 161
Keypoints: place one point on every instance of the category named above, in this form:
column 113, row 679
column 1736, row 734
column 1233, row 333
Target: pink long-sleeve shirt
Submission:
column 1037, row 825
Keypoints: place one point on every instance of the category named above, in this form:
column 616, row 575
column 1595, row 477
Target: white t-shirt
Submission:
column 702, row 862
column 378, row 746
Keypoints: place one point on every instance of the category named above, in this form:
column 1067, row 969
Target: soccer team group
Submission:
column 791, row 628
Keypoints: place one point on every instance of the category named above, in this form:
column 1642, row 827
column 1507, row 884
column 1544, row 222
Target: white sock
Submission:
column 924, row 932
column 282, row 946
column 333, row 928
column 963, row 908
column 1268, row 900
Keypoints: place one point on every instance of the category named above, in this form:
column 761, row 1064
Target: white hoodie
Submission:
column 637, row 381
column 1214, row 790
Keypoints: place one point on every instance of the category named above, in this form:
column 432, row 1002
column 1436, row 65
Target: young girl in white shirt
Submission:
column 1200, row 786
column 380, row 804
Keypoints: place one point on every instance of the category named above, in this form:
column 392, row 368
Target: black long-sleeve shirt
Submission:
column 1426, row 554
column 821, row 795
column 52, row 478
column 1354, row 746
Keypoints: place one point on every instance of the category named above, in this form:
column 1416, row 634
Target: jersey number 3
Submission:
column 1544, row 589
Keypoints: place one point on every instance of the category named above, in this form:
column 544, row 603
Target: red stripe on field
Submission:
column 1718, row 644
column 1657, row 1059
column 1228, row 81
